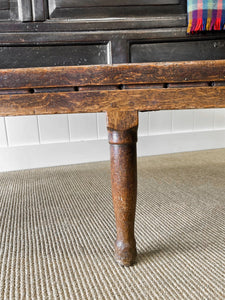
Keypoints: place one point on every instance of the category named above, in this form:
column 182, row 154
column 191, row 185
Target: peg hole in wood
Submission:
column 121, row 87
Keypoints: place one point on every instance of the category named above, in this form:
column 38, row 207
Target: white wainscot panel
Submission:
column 204, row 119
column 143, row 128
column 182, row 120
column 83, row 126
column 102, row 126
column 3, row 137
column 53, row 128
column 22, row 130
column 219, row 122
column 160, row 122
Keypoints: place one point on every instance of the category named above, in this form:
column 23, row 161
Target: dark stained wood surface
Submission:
column 103, row 3
column 5, row 9
column 39, row 10
column 4, row 4
column 112, row 100
column 52, row 55
column 25, row 10
column 122, row 131
column 166, row 72
column 117, row 8
column 174, row 51
column 112, row 88
column 76, row 25
column 122, row 120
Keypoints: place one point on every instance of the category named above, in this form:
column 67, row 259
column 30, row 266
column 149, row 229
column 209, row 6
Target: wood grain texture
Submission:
column 112, row 100
column 118, row 120
column 122, row 130
column 164, row 72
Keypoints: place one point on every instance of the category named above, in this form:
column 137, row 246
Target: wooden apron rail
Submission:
column 125, row 87
column 120, row 90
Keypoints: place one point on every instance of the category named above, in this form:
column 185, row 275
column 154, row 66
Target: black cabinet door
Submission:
column 177, row 51
column 52, row 55
column 110, row 8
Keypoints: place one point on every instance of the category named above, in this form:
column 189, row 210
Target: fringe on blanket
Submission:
column 200, row 19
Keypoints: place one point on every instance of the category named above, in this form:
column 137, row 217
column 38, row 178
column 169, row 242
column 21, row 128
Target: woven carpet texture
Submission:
column 57, row 231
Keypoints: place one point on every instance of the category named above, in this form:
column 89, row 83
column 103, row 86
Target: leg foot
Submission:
column 125, row 254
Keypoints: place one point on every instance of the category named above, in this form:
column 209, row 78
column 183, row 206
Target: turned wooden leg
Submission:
column 122, row 131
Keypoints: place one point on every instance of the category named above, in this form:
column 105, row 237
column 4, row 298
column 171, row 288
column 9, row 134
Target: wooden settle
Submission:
column 118, row 57
column 121, row 91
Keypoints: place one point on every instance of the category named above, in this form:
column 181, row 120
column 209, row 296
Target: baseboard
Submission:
column 45, row 155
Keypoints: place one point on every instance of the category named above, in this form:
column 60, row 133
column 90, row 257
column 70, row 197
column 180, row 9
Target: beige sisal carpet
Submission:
column 57, row 231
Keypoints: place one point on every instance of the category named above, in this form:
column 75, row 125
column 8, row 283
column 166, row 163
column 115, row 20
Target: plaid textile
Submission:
column 205, row 15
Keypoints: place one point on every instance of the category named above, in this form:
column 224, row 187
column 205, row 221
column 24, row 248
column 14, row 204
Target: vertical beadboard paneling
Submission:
column 204, row 119
column 219, row 121
column 143, row 128
column 83, row 127
column 160, row 122
column 3, row 137
column 182, row 120
column 22, row 130
column 102, row 126
column 53, row 128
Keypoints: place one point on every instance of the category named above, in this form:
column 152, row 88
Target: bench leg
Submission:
column 122, row 131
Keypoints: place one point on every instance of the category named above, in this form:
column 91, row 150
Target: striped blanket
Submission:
column 205, row 15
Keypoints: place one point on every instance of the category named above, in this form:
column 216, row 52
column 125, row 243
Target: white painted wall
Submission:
column 41, row 141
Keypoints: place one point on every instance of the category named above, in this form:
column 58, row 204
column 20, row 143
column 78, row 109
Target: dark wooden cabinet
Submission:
column 40, row 10
column 74, row 32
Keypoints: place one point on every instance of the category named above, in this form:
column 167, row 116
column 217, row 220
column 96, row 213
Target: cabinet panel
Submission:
column 111, row 8
column 178, row 51
column 39, row 10
column 23, row 10
column 46, row 56
column 5, row 10
column 4, row 4
column 103, row 3
column 12, row 10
